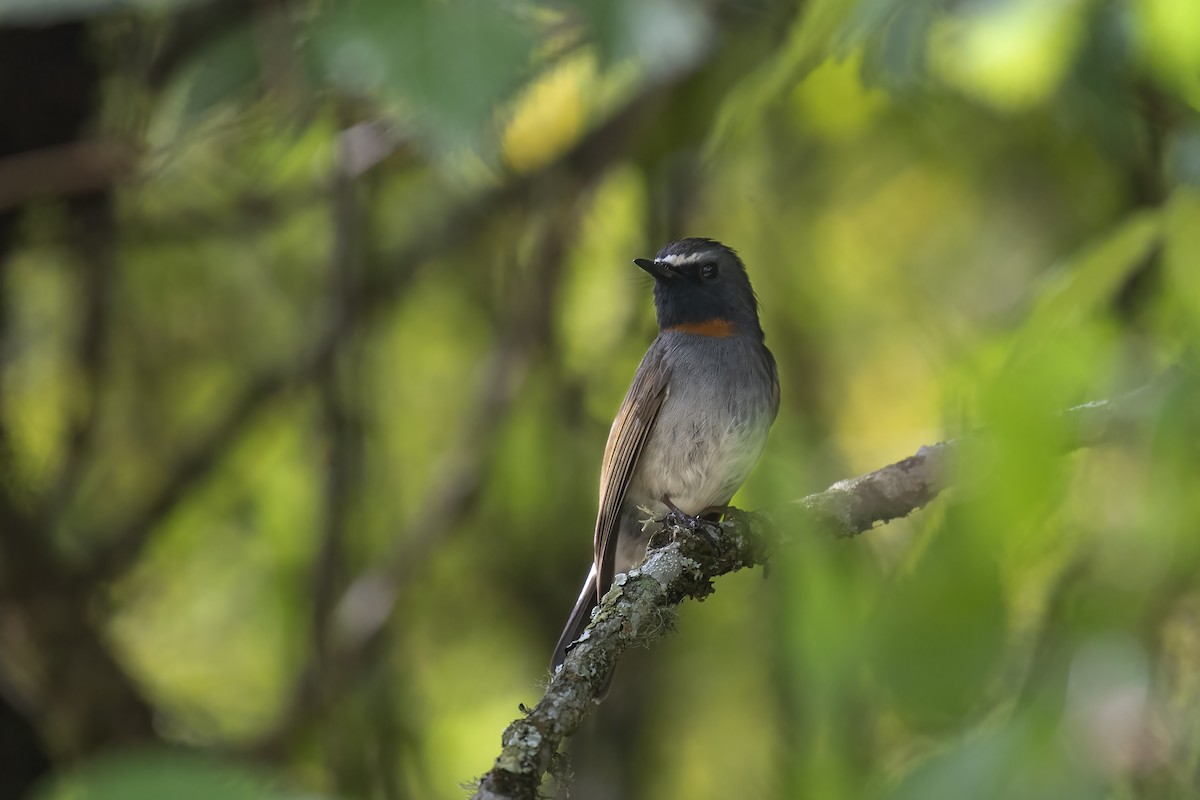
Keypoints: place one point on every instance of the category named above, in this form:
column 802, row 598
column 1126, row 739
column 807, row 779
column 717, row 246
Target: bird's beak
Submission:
column 656, row 268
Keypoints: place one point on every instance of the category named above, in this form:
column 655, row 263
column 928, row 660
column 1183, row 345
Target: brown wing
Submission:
column 630, row 431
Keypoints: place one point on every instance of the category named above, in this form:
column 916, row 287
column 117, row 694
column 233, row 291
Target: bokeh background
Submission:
column 314, row 316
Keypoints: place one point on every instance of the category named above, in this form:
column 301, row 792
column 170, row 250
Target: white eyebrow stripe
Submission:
column 676, row 260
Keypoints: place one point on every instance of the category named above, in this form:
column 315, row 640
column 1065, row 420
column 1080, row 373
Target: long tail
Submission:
column 581, row 615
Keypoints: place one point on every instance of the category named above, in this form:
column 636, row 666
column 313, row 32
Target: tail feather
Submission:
column 581, row 615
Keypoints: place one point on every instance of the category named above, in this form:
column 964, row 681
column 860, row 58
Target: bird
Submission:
column 694, row 421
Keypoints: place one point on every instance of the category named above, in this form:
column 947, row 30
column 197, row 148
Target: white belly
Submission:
column 702, row 462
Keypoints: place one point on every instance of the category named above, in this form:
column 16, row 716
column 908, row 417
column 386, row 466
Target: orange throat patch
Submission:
column 715, row 327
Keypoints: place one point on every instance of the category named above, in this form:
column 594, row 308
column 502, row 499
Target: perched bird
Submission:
column 696, row 418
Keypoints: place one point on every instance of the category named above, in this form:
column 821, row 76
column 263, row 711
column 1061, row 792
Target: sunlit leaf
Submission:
column 549, row 115
column 1013, row 54
column 1169, row 33
column 1181, row 256
column 813, row 35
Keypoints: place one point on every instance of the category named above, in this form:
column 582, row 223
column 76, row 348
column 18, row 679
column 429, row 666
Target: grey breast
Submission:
column 712, row 426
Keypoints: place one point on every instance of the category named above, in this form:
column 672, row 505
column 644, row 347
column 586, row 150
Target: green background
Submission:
column 369, row 308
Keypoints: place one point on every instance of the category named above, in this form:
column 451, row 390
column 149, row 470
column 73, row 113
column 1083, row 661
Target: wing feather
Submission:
column 626, row 441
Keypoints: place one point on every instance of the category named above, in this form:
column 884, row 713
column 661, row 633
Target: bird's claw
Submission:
column 677, row 518
column 682, row 520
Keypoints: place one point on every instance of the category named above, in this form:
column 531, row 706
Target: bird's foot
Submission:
column 694, row 524
column 677, row 517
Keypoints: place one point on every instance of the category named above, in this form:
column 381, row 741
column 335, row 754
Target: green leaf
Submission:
column 1085, row 285
column 660, row 35
column 812, row 38
column 447, row 64
column 229, row 69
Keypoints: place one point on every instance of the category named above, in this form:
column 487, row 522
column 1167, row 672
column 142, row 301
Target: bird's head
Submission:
column 701, row 287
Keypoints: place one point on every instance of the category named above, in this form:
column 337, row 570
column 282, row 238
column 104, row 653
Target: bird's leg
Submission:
column 678, row 517
column 693, row 524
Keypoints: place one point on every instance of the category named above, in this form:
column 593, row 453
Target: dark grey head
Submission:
column 700, row 286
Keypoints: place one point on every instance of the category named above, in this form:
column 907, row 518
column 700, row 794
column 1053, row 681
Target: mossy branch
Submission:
column 641, row 606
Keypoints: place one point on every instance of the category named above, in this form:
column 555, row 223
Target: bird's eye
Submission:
column 708, row 271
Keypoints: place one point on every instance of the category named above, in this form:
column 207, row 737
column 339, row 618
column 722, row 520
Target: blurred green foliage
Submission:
column 956, row 215
column 152, row 775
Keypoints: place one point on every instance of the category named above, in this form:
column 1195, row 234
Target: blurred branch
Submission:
column 63, row 170
column 590, row 157
column 362, row 613
column 248, row 212
column 363, row 147
column 640, row 608
column 125, row 545
column 339, row 417
column 555, row 186
column 93, row 242
column 55, row 659
column 16, row 546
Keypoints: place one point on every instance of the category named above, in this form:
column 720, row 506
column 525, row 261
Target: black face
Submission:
column 699, row 280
